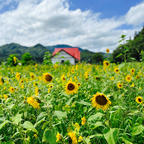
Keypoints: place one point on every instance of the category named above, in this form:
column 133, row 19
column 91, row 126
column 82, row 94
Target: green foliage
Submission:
column 47, row 58
column 67, row 62
column 12, row 60
column 26, row 58
column 97, row 58
column 49, row 136
column 142, row 55
column 130, row 50
column 60, row 113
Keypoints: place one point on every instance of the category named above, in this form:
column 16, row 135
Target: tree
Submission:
column 47, row 58
column 97, row 58
column 26, row 58
column 12, row 60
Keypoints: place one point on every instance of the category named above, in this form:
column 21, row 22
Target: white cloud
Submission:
column 135, row 15
column 52, row 22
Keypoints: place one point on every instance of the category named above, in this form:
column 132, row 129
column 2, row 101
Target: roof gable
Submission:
column 74, row 52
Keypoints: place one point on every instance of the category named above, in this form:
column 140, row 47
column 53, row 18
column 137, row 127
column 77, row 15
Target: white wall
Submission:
column 62, row 55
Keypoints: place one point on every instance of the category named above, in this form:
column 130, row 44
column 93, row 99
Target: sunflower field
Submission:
column 80, row 104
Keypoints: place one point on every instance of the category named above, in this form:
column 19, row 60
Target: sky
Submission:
column 90, row 24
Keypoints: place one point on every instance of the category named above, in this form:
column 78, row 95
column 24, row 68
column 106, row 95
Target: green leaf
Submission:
column 11, row 106
column 70, row 100
column 109, row 136
column 49, row 136
column 41, row 116
column 84, row 103
column 29, row 126
column 126, row 141
column 39, row 122
column 60, row 114
column 3, row 124
column 17, row 119
column 119, row 55
column 98, row 124
column 96, row 135
column 137, row 130
column 97, row 116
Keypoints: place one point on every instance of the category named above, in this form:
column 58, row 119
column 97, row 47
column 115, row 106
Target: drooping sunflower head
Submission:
column 128, row 78
column 47, row 77
column 100, row 101
column 71, row 87
column 139, row 100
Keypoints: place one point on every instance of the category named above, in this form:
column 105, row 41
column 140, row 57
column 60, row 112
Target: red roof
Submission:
column 74, row 52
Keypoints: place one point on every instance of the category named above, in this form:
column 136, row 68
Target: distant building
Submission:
column 66, row 54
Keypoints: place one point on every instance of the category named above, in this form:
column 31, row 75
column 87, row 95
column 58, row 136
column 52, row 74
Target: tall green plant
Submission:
column 12, row 60
column 47, row 58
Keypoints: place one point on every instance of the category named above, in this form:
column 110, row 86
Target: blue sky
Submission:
column 90, row 24
column 107, row 8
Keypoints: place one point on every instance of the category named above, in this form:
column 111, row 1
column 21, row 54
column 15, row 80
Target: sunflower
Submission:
column 119, row 85
column 58, row 136
column 5, row 96
column 47, row 77
column 107, row 50
column 77, row 127
column 36, row 91
column 86, row 75
column 14, row 59
column 100, row 101
column 106, row 63
column 80, row 139
column 132, row 71
column 116, row 70
column 112, row 78
column 83, row 120
column 18, row 76
column 79, row 84
column 139, row 100
column 128, row 78
column 1, row 81
column 63, row 78
column 137, row 76
column 11, row 89
column 73, row 137
column 33, row 102
column 71, row 87
column 32, row 75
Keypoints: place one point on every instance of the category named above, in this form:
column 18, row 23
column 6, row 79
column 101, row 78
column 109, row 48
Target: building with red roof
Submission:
column 66, row 54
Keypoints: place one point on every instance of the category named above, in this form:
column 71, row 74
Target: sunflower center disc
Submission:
column 48, row 78
column 71, row 86
column 101, row 100
column 139, row 100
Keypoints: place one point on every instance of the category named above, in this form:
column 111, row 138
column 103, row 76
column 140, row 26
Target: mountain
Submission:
column 37, row 51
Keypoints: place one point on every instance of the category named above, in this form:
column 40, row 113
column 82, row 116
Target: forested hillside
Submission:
column 132, row 50
column 39, row 50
